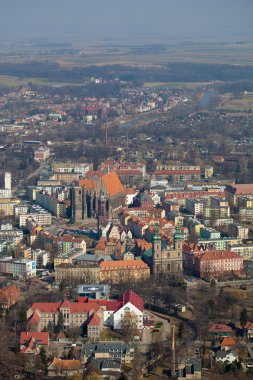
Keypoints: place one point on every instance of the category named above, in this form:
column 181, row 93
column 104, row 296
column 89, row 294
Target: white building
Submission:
column 125, row 312
column 41, row 257
column 24, row 268
column 7, row 181
column 6, row 192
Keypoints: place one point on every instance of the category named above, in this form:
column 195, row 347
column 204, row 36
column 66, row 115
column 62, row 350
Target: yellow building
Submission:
column 7, row 206
column 123, row 271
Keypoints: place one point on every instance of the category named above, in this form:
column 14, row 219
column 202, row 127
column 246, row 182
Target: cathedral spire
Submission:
column 156, row 234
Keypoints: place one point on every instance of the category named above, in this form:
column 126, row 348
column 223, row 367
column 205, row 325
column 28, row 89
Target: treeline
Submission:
column 171, row 72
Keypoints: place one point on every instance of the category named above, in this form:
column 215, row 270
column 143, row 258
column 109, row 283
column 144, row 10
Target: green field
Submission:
column 12, row 81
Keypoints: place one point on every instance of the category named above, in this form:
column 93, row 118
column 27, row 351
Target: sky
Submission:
column 115, row 19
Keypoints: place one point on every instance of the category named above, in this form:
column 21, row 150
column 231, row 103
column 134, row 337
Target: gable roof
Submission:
column 219, row 328
column 112, row 183
column 65, row 364
column 39, row 337
column 228, row 342
column 134, row 299
column 95, row 320
column 249, row 326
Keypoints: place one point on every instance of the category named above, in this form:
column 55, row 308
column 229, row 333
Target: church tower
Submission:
column 178, row 239
column 157, row 242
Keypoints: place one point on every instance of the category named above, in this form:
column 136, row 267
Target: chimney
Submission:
column 173, row 358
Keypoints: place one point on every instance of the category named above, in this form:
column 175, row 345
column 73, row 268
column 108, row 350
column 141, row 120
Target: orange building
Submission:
column 9, row 296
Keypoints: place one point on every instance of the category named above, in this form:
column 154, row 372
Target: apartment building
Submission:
column 236, row 230
column 23, row 268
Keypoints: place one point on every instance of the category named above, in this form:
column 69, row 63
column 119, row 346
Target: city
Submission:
column 126, row 207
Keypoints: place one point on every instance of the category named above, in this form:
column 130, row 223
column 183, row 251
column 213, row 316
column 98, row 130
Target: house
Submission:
column 189, row 368
column 226, row 356
column 107, row 368
column 249, row 330
column 63, row 368
column 220, row 330
column 227, row 344
column 32, row 342
column 131, row 312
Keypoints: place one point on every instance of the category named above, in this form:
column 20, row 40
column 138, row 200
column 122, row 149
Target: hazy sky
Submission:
column 83, row 18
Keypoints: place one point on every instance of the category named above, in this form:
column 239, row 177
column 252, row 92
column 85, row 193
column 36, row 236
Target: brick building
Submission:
column 9, row 296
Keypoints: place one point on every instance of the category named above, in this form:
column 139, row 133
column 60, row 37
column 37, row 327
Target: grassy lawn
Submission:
column 108, row 334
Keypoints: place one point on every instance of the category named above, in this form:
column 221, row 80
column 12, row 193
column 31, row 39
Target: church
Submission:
column 163, row 259
column 98, row 195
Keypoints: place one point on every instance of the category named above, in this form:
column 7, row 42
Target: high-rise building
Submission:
column 7, row 181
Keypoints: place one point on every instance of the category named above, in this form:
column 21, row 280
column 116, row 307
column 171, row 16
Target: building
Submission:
column 94, row 291
column 6, row 192
column 214, row 264
column 188, row 368
column 41, row 315
column 195, row 206
column 9, row 296
column 41, row 154
column 163, row 259
column 244, row 250
column 71, row 167
column 62, row 244
column 70, row 273
column 33, row 342
column 98, row 195
column 22, row 268
column 64, row 368
column 121, row 271
column 177, row 173
column 36, row 213
column 67, row 258
column 51, row 204
column 234, row 192
column 41, row 257
column 110, row 350
column 238, row 231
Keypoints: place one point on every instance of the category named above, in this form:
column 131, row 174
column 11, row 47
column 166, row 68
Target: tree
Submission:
column 243, row 317
column 123, row 376
column 181, row 331
column 92, row 376
column 60, row 323
column 43, row 356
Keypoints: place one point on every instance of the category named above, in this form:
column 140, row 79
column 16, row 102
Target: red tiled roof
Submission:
column 114, row 265
column 228, row 342
column 249, row 326
column 40, row 337
column 218, row 255
column 112, row 183
column 54, row 307
column 109, row 305
column 219, row 327
column 35, row 319
column 95, row 320
column 134, row 299
column 66, row 364
column 246, row 188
